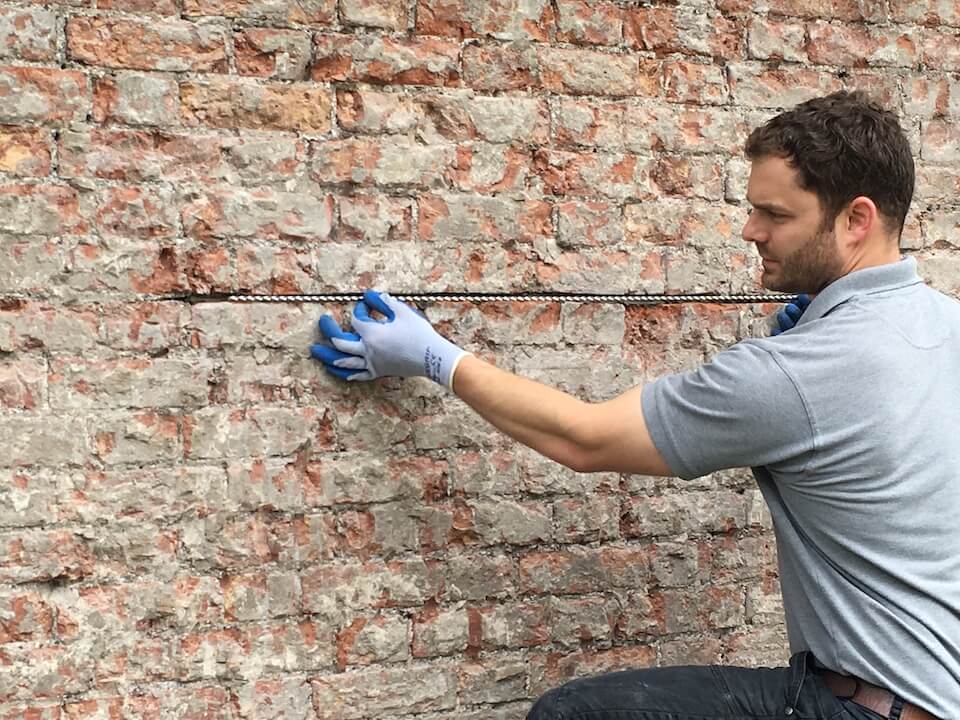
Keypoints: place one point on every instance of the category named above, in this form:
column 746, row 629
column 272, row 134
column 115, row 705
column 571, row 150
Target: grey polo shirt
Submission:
column 850, row 423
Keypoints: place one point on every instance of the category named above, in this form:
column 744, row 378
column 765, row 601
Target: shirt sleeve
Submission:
column 741, row 409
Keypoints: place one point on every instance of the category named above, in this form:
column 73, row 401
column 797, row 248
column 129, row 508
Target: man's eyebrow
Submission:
column 772, row 207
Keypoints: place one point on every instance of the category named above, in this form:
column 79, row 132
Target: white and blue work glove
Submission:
column 788, row 316
column 403, row 345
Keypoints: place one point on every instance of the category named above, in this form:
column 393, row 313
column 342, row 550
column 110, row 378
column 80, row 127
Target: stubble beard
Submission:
column 810, row 267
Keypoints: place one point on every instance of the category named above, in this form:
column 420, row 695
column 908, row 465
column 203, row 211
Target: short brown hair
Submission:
column 843, row 145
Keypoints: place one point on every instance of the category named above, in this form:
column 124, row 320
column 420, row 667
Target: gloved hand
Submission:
column 788, row 316
column 403, row 345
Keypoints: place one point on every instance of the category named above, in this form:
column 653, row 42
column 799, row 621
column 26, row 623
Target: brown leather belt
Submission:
column 872, row 697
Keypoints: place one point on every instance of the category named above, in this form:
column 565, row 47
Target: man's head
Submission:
column 830, row 184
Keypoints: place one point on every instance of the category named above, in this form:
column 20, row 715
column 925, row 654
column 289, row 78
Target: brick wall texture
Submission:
column 196, row 522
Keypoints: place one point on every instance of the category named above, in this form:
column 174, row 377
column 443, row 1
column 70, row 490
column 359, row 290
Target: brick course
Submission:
column 195, row 521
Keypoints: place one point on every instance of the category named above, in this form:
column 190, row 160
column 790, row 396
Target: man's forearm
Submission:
column 543, row 418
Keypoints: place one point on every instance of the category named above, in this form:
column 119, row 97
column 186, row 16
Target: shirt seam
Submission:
column 814, row 433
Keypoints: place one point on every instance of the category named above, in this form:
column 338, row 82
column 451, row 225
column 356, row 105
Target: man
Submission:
column 848, row 420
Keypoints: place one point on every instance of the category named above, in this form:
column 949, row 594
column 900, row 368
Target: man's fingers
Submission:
column 376, row 301
column 330, row 356
column 343, row 341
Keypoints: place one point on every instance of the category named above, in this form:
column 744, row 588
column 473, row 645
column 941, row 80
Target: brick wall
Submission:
column 195, row 522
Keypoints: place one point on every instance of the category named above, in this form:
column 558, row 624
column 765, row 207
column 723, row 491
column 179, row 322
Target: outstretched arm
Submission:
column 587, row 437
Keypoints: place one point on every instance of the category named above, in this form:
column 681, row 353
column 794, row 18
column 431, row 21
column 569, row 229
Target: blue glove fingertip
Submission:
column 375, row 301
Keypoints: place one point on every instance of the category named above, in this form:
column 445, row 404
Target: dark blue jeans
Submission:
column 700, row 693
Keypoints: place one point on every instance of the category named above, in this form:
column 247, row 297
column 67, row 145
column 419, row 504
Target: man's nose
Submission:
column 750, row 231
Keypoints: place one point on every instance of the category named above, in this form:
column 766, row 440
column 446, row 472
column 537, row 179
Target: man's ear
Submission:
column 858, row 220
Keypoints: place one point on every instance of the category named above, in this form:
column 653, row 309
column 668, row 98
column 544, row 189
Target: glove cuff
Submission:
column 440, row 360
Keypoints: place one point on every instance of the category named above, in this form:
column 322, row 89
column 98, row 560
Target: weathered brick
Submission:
column 439, row 632
column 153, row 7
column 773, row 38
column 575, row 621
column 757, row 86
column 28, row 34
column 479, row 577
column 25, row 616
column 28, row 325
column 232, row 433
column 583, row 570
column 42, row 440
column 310, row 12
column 586, row 520
column 376, row 59
column 275, row 698
column 926, row 13
column 383, row 162
column 615, row 175
column 589, row 72
column 139, row 156
column 491, row 169
column 262, row 106
column 134, row 212
column 514, row 625
column 369, row 640
column 694, row 82
column 500, row 67
column 50, row 671
column 137, row 382
column 158, row 44
column 228, row 211
column 23, row 383
column 851, row 45
column 941, row 48
column 25, row 153
column 386, row 14
column 136, row 99
column 940, row 142
column 496, row 679
column 260, row 595
column 41, row 210
column 31, row 556
column 718, row 511
column 678, row 222
column 272, row 53
column 464, row 217
column 551, row 669
column 503, row 521
column 841, row 10
column 593, row 23
column 683, row 29
column 338, row 591
column 382, row 692
column 499, row 19
column 464, row 116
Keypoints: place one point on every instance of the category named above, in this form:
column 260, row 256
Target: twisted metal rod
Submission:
column 648, row 299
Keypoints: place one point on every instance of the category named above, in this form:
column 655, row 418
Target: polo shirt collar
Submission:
column 862, row 282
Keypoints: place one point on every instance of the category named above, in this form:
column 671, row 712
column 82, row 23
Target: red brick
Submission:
column 136, row 212
column 581, row 570
column 40, row 95
column 333, row 590
column 263, row 106
column 386, row 14
column 318, row 13
column 386, row 60
column 590, row 72
column 173, row 45
column 594, row 23
column 930, row 95
column 44, row 555
column 23, row 383
column 461, row 217
column 690, row 82
column 757, row 86
column 614, row 175
column 778, row 39
column 369, row 640
column 384, row 692
column 26, row 617
column 940, row 142
column 382, row 161
column 552, row 669
column 28, row 34
column 41, row 210
column 686, row 30
column 135, row 99
column 941, row 49
column 374, row 219
column 137, row 156
column 25, row 153
column 490, row 169
column 271, row 53
column 153, row 7
column 500, row 67
column 227, row 211
column 852, row 10
column 924, row 12
column 860, row 45
column 501, row 19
